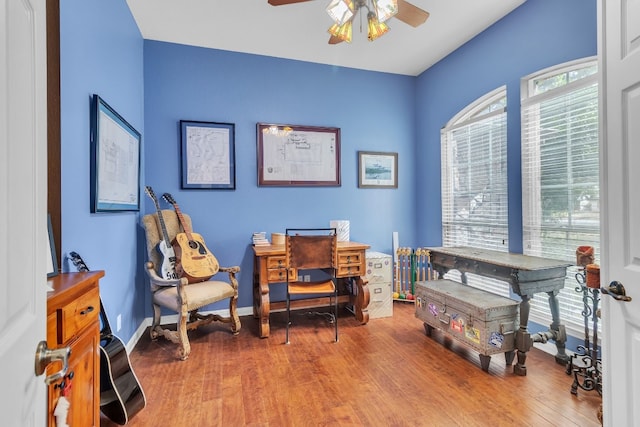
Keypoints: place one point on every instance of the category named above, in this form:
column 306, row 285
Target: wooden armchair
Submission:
column 181, row 296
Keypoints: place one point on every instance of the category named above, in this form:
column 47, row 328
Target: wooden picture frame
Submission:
column 290, row 155
column 208, row 155
column 115, row 160
column 377, row 169
column 52, row 258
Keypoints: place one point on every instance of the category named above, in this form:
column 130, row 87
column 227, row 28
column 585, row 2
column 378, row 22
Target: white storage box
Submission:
column 379, row 274
column 342, row 229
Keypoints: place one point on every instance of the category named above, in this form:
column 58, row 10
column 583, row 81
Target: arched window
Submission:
column 474, row 180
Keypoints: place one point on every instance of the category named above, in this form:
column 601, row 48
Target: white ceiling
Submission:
column 299, row 31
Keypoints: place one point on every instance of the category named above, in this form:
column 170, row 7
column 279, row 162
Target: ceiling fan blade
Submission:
column 283, row 2
column 335, row 40
column 409, row 13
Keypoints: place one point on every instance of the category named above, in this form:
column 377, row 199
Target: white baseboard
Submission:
column 242, row 311
column 550, row 347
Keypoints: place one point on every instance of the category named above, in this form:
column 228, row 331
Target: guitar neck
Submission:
column 183, row 222
column 152, row 196
column 163, row 227
column 105, row 331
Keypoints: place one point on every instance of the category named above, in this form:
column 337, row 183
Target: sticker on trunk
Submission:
column 496, row 339
column 472, row 334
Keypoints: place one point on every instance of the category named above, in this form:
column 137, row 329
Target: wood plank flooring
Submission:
column 385, row 373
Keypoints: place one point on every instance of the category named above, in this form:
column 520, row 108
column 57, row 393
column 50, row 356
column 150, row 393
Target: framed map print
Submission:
column 208, row 155
column 291, row 155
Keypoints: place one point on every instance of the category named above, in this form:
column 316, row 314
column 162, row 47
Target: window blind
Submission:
column 560, row 175
column 474, row 181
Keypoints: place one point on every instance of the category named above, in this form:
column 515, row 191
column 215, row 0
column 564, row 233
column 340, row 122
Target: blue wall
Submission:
column 536, row 35
column 375, row 112
column 154, row 85
column 101, row 51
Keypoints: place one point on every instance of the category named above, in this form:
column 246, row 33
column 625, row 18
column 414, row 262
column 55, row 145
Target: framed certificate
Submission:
column 291, row 155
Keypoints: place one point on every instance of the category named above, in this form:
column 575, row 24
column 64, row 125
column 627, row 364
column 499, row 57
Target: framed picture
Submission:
column 52, row 259
column 377, row 170
column 208, row 155
column 115, row 160
column 291, row 155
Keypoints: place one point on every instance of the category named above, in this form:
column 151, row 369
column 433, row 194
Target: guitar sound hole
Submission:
column 196, row 245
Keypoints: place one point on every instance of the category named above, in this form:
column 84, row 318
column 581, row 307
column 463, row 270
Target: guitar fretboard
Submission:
column 187, row 230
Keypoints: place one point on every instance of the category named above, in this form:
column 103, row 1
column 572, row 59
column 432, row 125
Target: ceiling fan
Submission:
column 377, row 12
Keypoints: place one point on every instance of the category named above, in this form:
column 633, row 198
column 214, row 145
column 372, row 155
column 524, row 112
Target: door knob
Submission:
column 45, row 355
column 616, row 290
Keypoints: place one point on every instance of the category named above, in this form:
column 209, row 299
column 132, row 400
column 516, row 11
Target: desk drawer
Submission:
column 276, row 262
column 351, row 263
column 77, row 315
column 280, row 275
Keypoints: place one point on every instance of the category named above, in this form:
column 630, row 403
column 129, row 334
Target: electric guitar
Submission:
column 193, row 259
column 168, row 265
column 121, row 396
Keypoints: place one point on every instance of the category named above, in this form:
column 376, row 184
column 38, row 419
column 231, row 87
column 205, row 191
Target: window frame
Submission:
column 485, row 108
column 570, row 299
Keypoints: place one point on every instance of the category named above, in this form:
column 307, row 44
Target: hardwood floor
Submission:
column 385, row 373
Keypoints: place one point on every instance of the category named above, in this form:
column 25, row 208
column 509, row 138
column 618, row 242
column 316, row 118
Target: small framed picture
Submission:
column 377, row 169
column 52, row 259
column 208, row 155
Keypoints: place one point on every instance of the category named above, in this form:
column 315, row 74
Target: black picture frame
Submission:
column 208, row 156
column 52, row 258
column 115, row 160
column 377, row 169
column 298, row 156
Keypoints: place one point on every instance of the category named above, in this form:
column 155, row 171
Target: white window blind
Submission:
column 560, row 170
column 474, row 181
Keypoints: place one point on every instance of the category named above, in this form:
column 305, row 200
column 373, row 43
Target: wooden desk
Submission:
column 527, row 276
column 269, row 267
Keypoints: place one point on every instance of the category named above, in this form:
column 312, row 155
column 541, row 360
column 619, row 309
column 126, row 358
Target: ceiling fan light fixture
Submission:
column 341, row 11
column 376, row 28
column 385, row 9
column 343, row 32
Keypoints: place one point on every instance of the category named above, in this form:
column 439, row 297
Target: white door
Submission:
column 619, row 46
column 23, row 211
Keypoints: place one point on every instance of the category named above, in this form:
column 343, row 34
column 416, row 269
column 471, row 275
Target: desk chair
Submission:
column 307, row 251
column 178, row 295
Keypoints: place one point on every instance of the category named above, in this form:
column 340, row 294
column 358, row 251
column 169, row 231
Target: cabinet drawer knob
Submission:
column 87, row 310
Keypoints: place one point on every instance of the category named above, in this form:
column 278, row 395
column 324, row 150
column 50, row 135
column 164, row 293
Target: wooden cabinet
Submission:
column 73, row 310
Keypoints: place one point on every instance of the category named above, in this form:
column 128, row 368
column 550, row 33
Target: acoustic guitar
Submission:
column 164, row 248
column 193, row 259
column 121, row 396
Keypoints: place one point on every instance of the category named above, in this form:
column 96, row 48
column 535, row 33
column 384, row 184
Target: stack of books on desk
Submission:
column 260, row 238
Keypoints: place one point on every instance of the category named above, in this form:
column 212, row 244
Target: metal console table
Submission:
column 527, row 275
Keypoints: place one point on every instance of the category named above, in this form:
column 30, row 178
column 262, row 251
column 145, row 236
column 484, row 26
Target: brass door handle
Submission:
column 616, row 290
column 45, row 355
